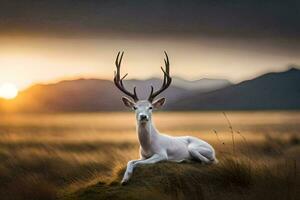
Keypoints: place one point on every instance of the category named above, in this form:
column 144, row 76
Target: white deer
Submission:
column 154, row 146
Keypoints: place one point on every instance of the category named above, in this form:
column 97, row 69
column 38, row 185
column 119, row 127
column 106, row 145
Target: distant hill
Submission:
column 86, row 95
column 270, row 91
column 76, row 95
column 182, row 86
column 203, row 85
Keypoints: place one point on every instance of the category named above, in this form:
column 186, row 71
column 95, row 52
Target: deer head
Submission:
column 142, row 108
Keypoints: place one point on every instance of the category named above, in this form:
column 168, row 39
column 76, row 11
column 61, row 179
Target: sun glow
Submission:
column 8, row 91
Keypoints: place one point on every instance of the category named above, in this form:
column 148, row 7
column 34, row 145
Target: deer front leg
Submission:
column 129, row 170
column 132, row 164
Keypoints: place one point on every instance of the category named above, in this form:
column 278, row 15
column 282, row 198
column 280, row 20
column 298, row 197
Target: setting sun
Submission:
column 8, row 91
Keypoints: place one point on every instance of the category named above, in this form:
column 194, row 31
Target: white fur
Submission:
column 156, row 147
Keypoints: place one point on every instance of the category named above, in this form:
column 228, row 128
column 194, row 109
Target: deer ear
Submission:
column 127, row 102
column 159, row 102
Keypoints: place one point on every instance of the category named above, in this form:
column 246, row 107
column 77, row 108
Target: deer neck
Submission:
column 146, row 134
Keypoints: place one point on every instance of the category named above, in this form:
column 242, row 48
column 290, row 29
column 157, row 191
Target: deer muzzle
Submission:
column 143, row 117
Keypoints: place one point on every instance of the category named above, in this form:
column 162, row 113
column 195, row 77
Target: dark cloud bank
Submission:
column 176, row 18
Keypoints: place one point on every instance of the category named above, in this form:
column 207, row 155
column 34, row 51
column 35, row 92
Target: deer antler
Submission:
column 119, row 81
column 167, row 80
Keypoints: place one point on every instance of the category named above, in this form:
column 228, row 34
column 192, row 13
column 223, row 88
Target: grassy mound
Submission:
column 155, row 181
column 230, row 179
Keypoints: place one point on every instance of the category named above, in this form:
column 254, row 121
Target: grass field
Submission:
column 50, row 156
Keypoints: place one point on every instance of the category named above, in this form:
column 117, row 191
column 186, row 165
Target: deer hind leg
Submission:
column 202, row 157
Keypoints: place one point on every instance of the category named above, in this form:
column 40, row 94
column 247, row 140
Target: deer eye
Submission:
column 150, row 108
column 134, row 108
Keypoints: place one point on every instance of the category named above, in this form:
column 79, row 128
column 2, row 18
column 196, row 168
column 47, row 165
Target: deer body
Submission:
column 154, row 146
column 152, row 142
column 173, row 148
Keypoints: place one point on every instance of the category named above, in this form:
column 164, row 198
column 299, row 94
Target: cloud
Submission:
column 157, row 18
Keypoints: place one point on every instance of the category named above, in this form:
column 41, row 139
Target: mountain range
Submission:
column 280, row 90
column 270, row 91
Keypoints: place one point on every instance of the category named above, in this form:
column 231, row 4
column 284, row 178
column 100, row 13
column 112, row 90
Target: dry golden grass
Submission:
column 44, row 156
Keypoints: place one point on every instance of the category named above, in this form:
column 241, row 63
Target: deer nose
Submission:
column 143, row 117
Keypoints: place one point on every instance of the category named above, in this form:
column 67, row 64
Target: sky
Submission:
column 47, row 41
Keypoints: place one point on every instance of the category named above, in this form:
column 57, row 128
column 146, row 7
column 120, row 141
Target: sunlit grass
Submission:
column 61, row 153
